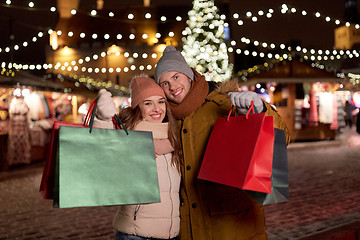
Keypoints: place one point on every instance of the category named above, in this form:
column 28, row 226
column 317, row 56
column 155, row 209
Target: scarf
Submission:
column 162, row 143
column 193, row 100
column 159, row 130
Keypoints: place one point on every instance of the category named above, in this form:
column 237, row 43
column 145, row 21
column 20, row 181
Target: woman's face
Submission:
column 153, row 109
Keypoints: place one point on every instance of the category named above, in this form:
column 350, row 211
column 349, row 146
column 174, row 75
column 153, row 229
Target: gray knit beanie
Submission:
column 172, row 60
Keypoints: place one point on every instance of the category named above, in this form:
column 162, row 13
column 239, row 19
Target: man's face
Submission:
column 175, row 85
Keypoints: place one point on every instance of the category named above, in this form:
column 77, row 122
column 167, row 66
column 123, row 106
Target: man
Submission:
column 208, row 210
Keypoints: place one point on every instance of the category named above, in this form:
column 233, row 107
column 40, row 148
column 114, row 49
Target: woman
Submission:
column 149, row 112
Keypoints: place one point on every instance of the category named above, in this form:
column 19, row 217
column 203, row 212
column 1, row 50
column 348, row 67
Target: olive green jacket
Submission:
column 211, row 211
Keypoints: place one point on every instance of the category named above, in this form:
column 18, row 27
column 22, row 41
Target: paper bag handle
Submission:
column 93, row 115
column 90, row 116
column 118, row 122
column 252, row 108
column 89, row 113
column 229, row 115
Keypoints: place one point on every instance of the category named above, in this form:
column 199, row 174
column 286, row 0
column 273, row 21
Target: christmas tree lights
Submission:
column 204, row 47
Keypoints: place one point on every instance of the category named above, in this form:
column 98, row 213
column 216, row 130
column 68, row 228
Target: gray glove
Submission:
column 106, row 108
column 242, row 101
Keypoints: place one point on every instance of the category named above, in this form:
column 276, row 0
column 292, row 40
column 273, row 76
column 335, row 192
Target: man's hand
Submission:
column 242, row 101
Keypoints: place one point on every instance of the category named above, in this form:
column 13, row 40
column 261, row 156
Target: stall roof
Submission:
column 54, row 82
column 23, row 78
column 75, row 85
column 294, row 71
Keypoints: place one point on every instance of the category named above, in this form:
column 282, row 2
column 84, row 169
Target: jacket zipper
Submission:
column 171, row 201
column 137, row 208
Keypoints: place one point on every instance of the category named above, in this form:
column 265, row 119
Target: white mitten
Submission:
column 242, row 101
column 106, row 108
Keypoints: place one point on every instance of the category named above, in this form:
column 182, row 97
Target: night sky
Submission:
column 308, row 30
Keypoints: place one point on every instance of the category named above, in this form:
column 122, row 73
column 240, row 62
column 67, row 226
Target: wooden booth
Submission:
column 30, row 104
column 306, row 97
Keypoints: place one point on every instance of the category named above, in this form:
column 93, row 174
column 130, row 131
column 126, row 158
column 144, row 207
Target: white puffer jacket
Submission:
column 155, row 220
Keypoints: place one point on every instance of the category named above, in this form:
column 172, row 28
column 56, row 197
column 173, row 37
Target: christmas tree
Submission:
column 204, row 47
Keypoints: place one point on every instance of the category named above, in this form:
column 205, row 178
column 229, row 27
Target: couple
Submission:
column 204, row 210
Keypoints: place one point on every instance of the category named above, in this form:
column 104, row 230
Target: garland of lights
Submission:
column 107, row 53
column 329, row 54
column 91, row 13
column 87, row 81
column 286, row 9
column 249, row 15
column 352, row 78
column 81, row 35
column 67, row 67
column 64, row 66
column 298, row 48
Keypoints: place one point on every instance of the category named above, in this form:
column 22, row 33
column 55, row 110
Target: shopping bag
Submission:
column 101, row 167
column 240, row 151
column 106, row 167
column 279, row 178
column 48, row 177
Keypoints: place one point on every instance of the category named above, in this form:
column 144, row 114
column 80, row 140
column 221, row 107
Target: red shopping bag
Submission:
column 48, row 176
column 240, row 152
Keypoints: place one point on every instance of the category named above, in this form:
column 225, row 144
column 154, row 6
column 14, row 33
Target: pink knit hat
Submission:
column 142, row 88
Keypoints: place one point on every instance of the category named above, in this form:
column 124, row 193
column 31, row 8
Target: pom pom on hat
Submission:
column 142, row 88
column 172, row 60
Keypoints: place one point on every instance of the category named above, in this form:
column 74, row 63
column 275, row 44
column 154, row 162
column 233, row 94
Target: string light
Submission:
column 286, row 9
column 343, row 54
column 111, row 15
column 235, row 16
column 85, row 80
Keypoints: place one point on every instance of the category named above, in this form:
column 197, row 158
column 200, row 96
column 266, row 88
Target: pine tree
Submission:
column 204, row 47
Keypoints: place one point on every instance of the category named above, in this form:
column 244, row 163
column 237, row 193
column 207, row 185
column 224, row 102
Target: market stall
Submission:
column 29, row 106
column 27, row 118
column 308, row 98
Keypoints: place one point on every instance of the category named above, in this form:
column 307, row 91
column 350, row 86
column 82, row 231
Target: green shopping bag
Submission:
column 104, row 167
